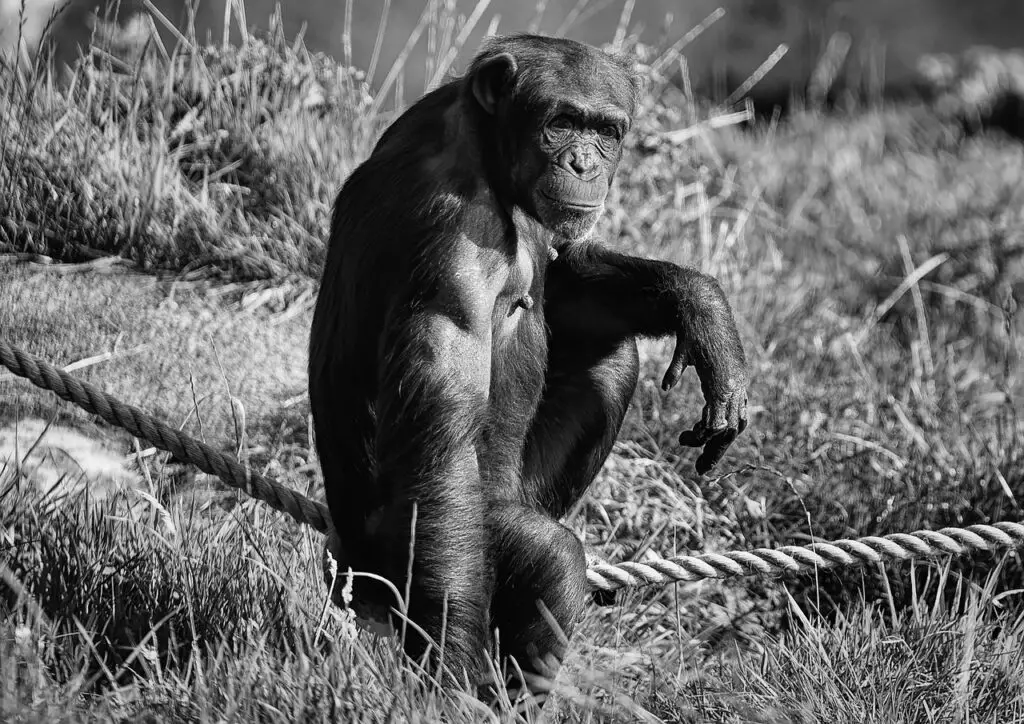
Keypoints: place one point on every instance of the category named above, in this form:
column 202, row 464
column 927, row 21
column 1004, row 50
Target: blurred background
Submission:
column 887, row 35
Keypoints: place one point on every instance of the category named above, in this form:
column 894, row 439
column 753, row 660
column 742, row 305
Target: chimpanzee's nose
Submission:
column 583, row 161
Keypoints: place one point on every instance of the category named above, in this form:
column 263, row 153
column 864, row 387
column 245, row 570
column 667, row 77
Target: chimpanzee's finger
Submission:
column 680, row 361
column 697, row 437
column 690, row 438
column 703, row 430
column 714, row 451
column 743, row 417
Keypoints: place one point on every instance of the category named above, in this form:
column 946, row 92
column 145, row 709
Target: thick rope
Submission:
column 845, row 553
column 183, row 447
column 600, row 574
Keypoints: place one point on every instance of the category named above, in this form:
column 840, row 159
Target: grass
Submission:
column 879, row 405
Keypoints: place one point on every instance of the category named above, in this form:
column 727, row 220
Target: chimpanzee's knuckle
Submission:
column 719, row 424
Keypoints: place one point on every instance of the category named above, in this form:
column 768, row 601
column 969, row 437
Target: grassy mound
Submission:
column 224, row 158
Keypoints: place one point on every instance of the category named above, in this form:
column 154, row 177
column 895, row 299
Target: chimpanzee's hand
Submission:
column 722, row 369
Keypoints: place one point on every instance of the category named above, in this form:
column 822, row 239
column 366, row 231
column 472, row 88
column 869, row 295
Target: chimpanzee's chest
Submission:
column 518, row 335
column 519, row 348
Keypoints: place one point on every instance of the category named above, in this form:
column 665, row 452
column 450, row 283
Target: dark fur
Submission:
column 434, row 383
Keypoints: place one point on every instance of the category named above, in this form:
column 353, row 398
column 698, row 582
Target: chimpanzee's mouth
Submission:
column 573, row 204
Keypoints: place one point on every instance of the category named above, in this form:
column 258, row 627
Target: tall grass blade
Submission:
column 670, row 55
column 571, row 18
column 378, row 43
column 623, row 25
column 403, row 57
column 445, row 65
column 346, row 35
column 758, row 75
column 538, row 16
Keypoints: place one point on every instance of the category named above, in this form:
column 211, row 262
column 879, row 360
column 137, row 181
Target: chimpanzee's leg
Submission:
column 587, row 390
column 588, row 387
column 540, row 574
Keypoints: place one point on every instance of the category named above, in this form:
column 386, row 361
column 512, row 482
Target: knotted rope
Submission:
column 600, row 574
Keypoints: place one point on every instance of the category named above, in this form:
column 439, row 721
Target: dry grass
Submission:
column 880, row 405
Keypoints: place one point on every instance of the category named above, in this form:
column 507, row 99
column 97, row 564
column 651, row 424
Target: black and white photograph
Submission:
column 589, row 361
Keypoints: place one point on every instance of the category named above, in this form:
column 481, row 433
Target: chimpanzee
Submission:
column 473, row 354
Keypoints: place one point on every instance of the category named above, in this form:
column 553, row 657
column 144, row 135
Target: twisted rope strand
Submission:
column 801, row 559
column 138, row 423
column 601, row 575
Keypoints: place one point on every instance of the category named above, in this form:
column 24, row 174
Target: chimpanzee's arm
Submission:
column 600, row 293
column 434, row 373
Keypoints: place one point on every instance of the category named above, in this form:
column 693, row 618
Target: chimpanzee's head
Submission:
column 557, row 111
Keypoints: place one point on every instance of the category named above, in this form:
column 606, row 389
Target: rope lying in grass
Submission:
column 227, row 468
column 600, row 574
column 843, row 553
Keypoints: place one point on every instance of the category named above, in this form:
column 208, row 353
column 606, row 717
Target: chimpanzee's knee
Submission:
column 541, row 588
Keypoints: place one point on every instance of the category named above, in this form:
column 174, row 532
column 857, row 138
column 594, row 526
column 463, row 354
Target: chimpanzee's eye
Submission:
column 608, row 131
column 561, row 123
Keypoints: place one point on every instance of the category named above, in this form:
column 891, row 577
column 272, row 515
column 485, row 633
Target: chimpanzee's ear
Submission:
column 491, row 79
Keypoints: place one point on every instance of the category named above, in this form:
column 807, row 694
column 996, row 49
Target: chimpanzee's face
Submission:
column 564, row 109
column 582, row 145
